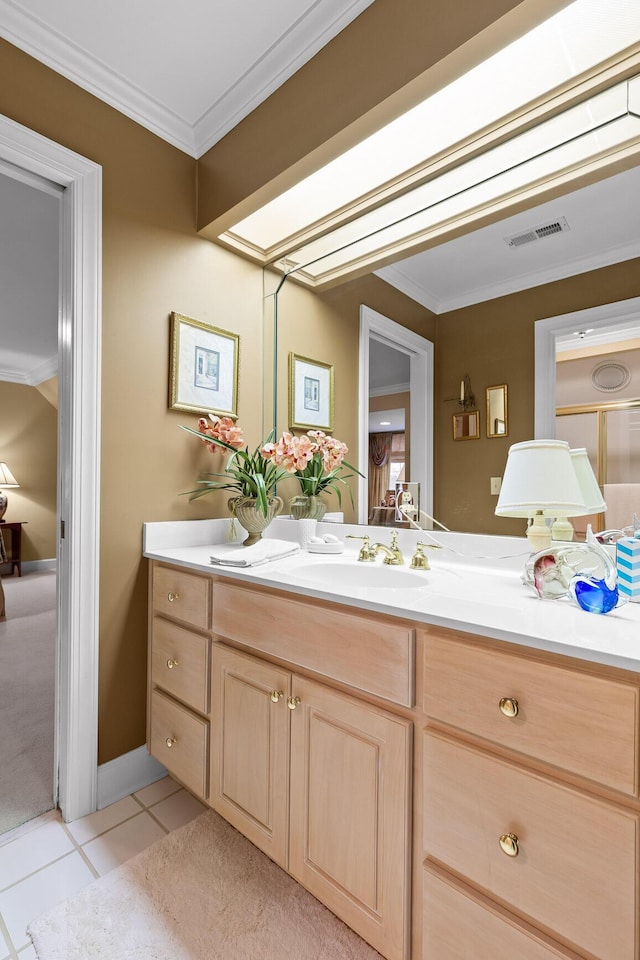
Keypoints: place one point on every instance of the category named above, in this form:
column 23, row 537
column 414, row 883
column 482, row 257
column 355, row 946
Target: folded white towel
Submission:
column 235, row 555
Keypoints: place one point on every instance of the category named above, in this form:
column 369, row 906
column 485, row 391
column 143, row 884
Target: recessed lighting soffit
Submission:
column 545, row 129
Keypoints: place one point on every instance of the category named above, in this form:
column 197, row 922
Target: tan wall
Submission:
column 28, row 444
column 49, row 390
column 153, row 263
column 494, row 343
column 397, row 401
column 381, row 64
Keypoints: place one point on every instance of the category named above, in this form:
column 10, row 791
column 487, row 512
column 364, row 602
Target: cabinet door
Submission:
column 250, row 748
column 350, row 795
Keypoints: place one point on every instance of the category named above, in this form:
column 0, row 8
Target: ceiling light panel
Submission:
column 579, row 37
column 598, row 128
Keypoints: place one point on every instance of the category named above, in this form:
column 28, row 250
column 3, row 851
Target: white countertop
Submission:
column 474, row 585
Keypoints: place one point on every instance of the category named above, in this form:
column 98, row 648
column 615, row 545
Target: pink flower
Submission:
column 220, row 428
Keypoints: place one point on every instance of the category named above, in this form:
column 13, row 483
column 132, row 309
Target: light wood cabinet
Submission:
column 337, row 815
column 295, row 720
column 529, row 805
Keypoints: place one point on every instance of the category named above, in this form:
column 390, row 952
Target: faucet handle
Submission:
column 366, row 552
column 418, row 560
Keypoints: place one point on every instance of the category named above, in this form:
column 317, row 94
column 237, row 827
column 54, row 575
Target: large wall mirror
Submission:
column 474, row 289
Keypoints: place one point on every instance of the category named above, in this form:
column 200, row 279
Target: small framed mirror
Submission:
column 497, row 416
column 466, row 426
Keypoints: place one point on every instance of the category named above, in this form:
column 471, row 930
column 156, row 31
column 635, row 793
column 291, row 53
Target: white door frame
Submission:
column 609, row 314
column 79, row 356
column 420, row 350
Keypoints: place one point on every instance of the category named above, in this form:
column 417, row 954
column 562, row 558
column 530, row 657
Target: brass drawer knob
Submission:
column 509, row 706
column 277, row 695
column 171, row 664
column 292, row 702
column 509, row 844
column 170, row 741
column 171, row 596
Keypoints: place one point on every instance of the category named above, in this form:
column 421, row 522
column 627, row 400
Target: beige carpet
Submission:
column 201, row 893
column 27, row 691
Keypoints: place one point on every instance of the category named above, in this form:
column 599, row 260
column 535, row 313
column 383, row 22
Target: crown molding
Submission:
column 389, row 390
column 293, row 49
column 559, row 271
column 71, row 61
column 31, row 376
column 298, row 45
column 395, row 276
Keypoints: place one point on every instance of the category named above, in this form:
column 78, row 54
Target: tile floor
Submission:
column 47, row 861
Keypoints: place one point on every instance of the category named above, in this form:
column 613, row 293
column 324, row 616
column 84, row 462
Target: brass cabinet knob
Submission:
column 292, row 702
column 509, row 706
column 171, row 664
column 170, row 741
column 171, row 596
column 277, row 695
column 509, row 844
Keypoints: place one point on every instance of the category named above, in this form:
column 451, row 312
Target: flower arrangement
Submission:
column 250, row 474
column 315, row 459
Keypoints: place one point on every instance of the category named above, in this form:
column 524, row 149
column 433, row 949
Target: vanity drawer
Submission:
column 180, row 663
column 459, row 924
column 180, row 741
column 366, row 653
column 583, row 723
column 575, row 869
column 182, row 595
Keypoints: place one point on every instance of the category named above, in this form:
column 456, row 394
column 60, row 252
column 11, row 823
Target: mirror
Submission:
column 466, row 426
column 497, row 421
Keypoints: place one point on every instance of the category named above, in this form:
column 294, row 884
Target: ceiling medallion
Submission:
column 610, row 376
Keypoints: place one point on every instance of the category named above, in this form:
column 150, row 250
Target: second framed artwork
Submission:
column 310, row 394
column 203, row 376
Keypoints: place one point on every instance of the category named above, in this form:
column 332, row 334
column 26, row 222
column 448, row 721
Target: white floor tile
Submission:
column 33, row 850
column 178, row 810
column 123, row 842
column 96, row 823
column 40, row 892
column 157, row 791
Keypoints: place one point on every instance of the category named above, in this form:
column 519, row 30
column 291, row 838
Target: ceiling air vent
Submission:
column 538, row 233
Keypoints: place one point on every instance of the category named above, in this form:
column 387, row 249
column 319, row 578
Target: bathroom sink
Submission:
column 353, row 575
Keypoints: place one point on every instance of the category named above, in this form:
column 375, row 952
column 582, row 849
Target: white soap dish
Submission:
column 326, row 548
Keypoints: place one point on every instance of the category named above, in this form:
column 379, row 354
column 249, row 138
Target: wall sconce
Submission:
column 7, row 479
column 467, row 400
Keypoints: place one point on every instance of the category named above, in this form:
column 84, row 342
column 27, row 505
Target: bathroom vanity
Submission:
column 449, row 764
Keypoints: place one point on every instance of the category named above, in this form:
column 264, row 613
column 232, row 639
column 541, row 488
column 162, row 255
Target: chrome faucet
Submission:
column 392, row 554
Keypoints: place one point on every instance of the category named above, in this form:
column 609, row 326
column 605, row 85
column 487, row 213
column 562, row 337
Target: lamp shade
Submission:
column 7, row 479
column 591, row 493
column 539, row 477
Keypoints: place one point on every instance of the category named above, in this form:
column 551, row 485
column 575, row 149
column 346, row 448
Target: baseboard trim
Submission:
column 30, row 566
column 130, row 772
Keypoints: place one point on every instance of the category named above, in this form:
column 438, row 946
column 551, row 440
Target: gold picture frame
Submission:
column 203, row 368
column 311, row 404
column 497, row 411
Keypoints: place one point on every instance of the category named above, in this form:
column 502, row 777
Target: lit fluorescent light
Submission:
column 600, row 127
column 581, row 36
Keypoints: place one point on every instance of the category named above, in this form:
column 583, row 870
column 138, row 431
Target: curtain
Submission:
column 379, row 458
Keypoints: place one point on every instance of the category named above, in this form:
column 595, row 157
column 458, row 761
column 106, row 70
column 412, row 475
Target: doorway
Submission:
column 79, row 328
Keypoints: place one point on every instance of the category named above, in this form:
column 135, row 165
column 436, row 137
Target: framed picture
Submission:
column 203, row 372
column 310, row 394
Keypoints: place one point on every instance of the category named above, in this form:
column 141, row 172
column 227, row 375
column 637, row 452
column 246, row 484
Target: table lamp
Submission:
column 7, row 479
column 541, row 481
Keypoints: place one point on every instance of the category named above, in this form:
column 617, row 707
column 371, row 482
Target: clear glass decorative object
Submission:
column 585, row 572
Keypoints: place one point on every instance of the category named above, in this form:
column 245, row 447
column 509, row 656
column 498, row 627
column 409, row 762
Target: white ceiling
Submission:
column 604, row 228
column 188, row 71
column 29, row 231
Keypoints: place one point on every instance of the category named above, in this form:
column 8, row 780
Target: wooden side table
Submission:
column 13, row 544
